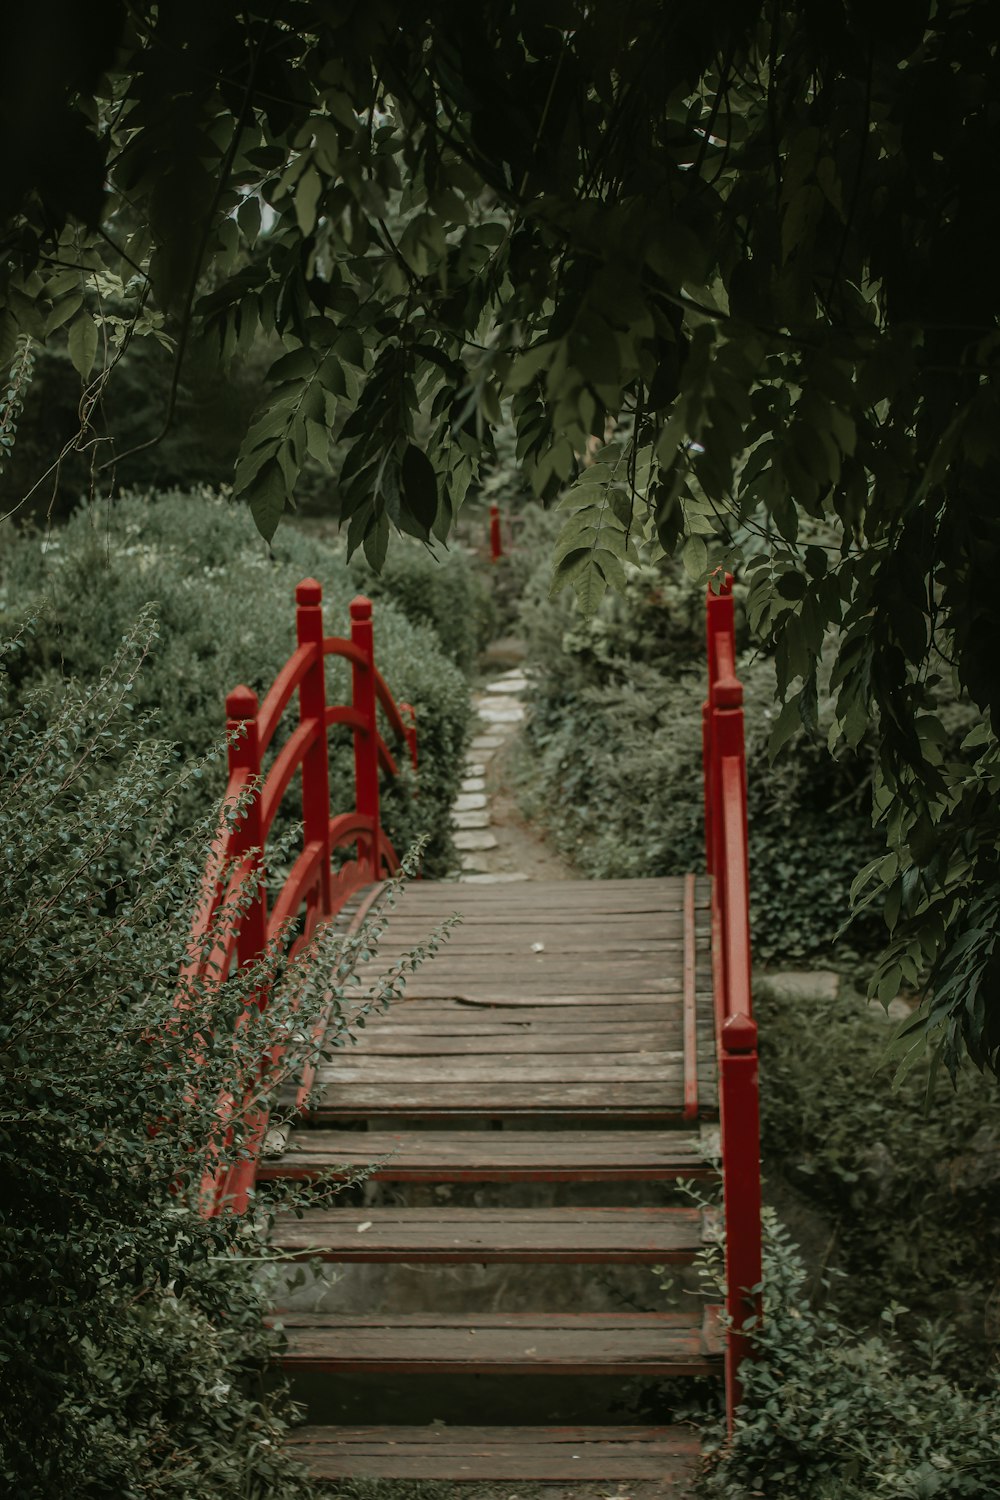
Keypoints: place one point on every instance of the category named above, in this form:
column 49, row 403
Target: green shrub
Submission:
column 615, row 738
column 132, row 1349
column 225, row 604
column 441, row 589
column 828, row 1416
column 908, row 1183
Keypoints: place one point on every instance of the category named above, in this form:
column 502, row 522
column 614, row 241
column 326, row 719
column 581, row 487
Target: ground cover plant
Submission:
column 133, row 1354
column 831, row 1415
column 904, row 1179
column 614, row 740
column 225, row 604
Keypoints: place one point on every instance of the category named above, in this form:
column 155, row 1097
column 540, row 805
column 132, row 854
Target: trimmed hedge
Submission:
column 225, row 608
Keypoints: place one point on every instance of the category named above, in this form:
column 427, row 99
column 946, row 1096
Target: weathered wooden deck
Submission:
column 566, row 1032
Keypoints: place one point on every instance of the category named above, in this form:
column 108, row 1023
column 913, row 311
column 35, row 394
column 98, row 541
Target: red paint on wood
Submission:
column 238, row 852
column 496, row 534
column 690, row 1005
column 727, row 859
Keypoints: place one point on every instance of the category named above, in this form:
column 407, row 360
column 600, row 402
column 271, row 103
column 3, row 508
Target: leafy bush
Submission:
column 132, row 1351
column 226, row 609
column 908, row 1182
column 132, row 1346
column 440, row 589
column 615, row 736
column 830, row 1417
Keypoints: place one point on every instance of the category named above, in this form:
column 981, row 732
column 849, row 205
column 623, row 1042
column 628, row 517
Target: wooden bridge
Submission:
column 569, row 1032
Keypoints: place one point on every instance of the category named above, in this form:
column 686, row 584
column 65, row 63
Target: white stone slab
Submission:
column 486, row 742
column 473, row 819
column 473, row 784
column 473, row 840
column 474, row 768
column 510, row 685
column 502, row 711
column 469, row 802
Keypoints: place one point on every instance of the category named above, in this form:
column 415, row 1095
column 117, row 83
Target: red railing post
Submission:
column 366, row 740
column 496, row 535
column 727, row 856
column 740, row 1132
column 312, row 705
column 244, row 755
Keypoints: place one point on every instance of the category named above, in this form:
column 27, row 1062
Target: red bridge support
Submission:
column 238, row 859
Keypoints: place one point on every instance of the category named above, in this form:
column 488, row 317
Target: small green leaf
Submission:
column 419, row 486
column 695, row 557
column 306, row 199
column 83, row 344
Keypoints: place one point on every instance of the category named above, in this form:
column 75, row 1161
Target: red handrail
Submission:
column 238, row 854
column 726, row 854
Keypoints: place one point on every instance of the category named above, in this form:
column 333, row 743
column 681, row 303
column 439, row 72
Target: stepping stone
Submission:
column 502, row 711
column 473, row 784
column 472, row 864
column 472, row 819
column 469, row 802
column 486, row 742
column 469, row 840
column 490, row 879
column 508, row 685
column 474, row 768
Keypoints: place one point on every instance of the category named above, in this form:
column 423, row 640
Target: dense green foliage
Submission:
column 753, row 233
column 906, row 1181
column 132, row 1351
column 437, row 588
column 614, row 739
column 225, row 604
column 831, row 1416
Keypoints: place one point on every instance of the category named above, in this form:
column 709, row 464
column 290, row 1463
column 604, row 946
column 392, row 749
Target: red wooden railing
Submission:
column 312, row 891
column 724, row 763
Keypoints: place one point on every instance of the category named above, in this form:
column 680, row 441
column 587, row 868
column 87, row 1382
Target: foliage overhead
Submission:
column 757, row 234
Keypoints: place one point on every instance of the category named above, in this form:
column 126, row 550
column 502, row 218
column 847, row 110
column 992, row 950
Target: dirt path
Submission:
column 496, row 844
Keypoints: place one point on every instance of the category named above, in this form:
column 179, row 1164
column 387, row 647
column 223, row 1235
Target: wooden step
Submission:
column 607, row 1236
column 491, row 1155
column 667, row 1455
column 641, row 1344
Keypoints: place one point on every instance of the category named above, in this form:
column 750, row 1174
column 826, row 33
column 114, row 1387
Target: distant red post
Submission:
column 244, row 755
column 366, row 739
column 496, row 535
column 312, row 705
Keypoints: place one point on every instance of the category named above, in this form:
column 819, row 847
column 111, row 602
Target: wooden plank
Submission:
column 648, row 1100
column 492, row 1155
column 643, row 1344
column 617, row 1067
column 667, row 1456
column 414, row 1041
column 491, row 1236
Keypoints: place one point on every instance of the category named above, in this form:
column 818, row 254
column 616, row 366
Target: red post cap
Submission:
column 361, row 608
column 241, row 703
column 309, row 592
column 739, row 1034
column 728, row 693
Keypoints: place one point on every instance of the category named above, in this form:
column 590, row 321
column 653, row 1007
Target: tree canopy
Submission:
column 748, row 248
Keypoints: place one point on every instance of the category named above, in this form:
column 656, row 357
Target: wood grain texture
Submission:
column 667, row 1455
column 608, row 1236
column 645, row 1344
column 493, row 1155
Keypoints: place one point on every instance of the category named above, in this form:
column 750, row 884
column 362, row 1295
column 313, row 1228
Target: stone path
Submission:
column 500, row 713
